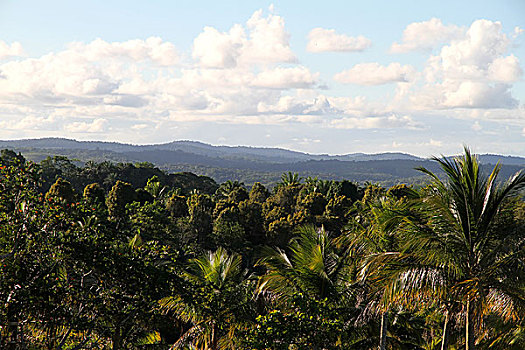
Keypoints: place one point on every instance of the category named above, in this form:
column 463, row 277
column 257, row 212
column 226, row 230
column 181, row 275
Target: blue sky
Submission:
column 322, row 77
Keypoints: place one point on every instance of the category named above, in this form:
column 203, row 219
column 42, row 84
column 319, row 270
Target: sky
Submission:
column 336, row 77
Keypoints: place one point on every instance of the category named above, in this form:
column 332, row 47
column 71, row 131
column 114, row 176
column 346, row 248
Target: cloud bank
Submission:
column 251, row 75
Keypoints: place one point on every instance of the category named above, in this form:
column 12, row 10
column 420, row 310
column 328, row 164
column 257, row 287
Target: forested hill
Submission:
column 247, row 164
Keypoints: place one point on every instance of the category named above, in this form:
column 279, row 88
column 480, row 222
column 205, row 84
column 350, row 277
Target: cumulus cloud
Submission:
column 471, row 94
column 426, row 35
column 286, row 78
column 247, row 75
column 30, row 122
column 154, row 49
column 472, row 71
column 83, row 71
column 96, row 125
column 215, row 49
column 376, row 74
column 505, row 69
column 13, row 50
column 318, row 104
column 262, row 40
column 323, row 40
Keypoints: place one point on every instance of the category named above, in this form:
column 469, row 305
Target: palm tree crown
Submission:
column 458, row 250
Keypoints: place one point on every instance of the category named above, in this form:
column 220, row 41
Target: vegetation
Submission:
column 126, row 256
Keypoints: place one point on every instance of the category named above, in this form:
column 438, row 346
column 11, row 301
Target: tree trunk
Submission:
column 117, row 339
column 469, row 328
column 384, row 324
column 214, row 337
column 446, row 331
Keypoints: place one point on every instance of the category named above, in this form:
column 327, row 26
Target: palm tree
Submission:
column 315, row 267
column 456, row 251
column 228, row 187
column 373, row 233
column 314, row 270
column 215, row 305
column 289, row 179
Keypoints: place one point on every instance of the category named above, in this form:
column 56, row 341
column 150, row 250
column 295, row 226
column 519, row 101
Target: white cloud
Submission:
column 153, row 49
column 376, row 74
column 426, row 35
column 382, row 122
column 268, row 41
column 471, row 72
column 470, row 57
column 505, row 69
column 215, row 49
column 247, row 75
column 285, row 78
column 83, row 71
column 263, row 40
column 139, row 126
column 13, row 50
column 30, row 122
column 323, row 40
column 471, row 94
column 96, row 125
column 125, row 100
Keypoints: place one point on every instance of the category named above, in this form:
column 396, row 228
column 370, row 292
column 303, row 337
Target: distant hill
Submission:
column 248, row 164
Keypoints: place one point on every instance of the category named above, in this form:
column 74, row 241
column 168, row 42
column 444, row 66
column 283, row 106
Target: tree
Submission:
column 457, row 252
column 94, row 193
column 318, row 270
column 227, row 188
column 290, row 179
column 61, row 190
column 200, row 210
column 258, row 193
column 218, row 303
column 121, row 193
column 375, row 234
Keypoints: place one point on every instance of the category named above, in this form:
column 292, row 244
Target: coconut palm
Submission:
column 456, row 251
column 314, row 270
column 315, row 267
column 372, row 234
column 215, row 305
column 290, row 179
column 227, row 187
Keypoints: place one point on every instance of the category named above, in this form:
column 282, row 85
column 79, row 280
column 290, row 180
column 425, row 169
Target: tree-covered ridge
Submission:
column 125, row 256
column 248, row 164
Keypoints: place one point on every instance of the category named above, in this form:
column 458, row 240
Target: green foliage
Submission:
column 94, row 193
column 402, row 191
column 177, row 206
column 200, row 210
column 372, row 193
column 219, row 304
column 77, row 274
column 61, row 190
column 305, row 324
column 228, row 231
column 10, row 158
column 290, row 179
column 121, row 193
column 154, row 187
column 258, row 193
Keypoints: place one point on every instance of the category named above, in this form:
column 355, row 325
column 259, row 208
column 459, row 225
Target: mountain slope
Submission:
column 248, row 163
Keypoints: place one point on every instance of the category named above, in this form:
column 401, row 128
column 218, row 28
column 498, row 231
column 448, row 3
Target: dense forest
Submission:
column 126, row 256
column 250, row 164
